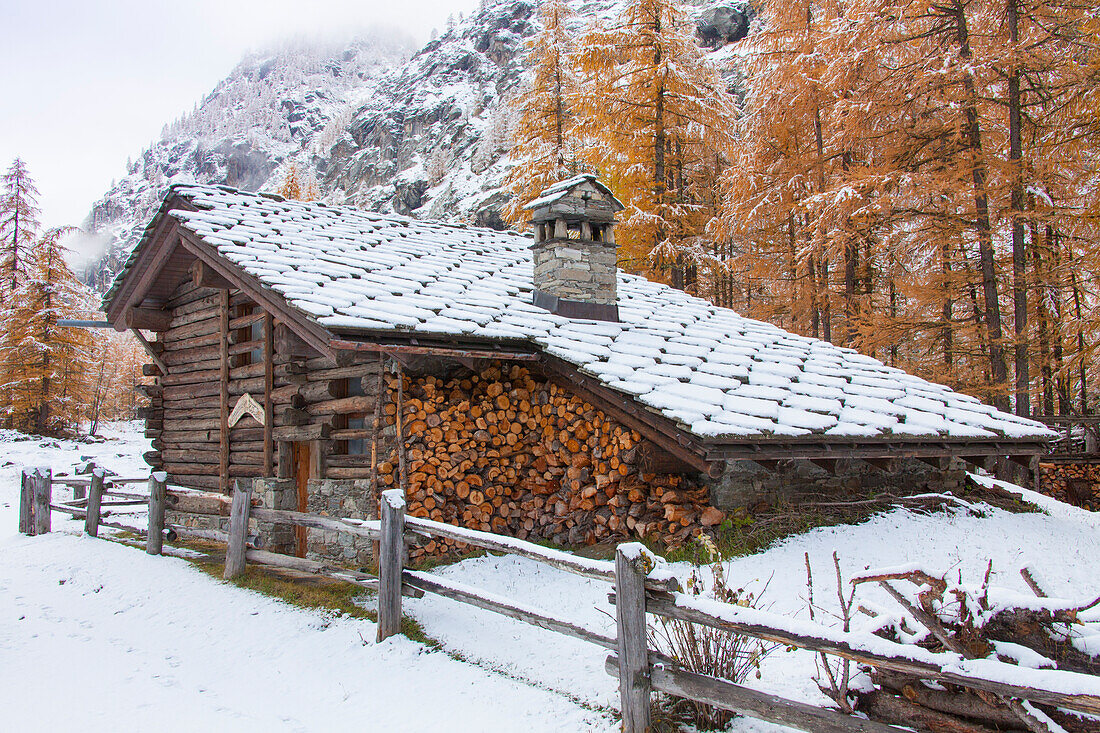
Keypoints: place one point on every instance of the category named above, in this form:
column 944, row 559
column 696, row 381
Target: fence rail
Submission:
column 641, row 586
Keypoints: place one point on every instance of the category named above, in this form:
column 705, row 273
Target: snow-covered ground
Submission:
column 102, row 636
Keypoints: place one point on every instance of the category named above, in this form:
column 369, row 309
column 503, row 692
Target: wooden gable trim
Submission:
column 313, row 334
column 154, row 251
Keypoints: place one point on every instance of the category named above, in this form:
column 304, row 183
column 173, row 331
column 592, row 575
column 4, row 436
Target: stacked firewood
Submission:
column 977, row 622
column 1073, row 483
column 502, row 450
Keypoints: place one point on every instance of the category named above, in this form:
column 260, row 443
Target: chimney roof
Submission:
column 562, row 188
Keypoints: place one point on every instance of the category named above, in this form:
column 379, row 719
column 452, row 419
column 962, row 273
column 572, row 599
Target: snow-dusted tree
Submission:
column 906, row 167
column 544, row 144
column 654, row 114
column 46, row 367
column 114, row 375
column 18, row 223
column 291, row 187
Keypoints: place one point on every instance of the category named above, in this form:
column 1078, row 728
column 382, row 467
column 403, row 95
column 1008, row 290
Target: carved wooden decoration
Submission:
column 246, row 405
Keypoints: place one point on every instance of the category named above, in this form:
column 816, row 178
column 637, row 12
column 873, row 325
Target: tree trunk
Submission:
column 1019, row 255
column 979, row 175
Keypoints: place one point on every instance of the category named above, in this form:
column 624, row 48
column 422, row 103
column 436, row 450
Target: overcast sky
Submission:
column 86, row 84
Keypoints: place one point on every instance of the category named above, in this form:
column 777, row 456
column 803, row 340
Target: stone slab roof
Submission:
column 716, row 373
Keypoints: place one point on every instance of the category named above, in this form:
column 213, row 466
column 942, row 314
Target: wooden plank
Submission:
column 238, row 529
column 157, row 500
column 454, row 353
column 150, row 350
column 269, row 389
column 26, row 502
column 900, row 657
column 521, row 612
column 630, row 627
column 95, row 498
column 43, row 492
column 315, row 521
column 147, row 268
column 223, row 406
column 313, row 567
column 391, row 562
column 760, row 705
column 589, row 568
column 148, row 319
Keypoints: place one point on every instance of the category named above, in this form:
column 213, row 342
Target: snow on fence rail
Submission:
column 642, row 585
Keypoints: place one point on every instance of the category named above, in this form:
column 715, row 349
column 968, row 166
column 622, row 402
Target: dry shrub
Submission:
column 706, row 650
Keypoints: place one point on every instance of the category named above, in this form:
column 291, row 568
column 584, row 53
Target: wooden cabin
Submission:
column 517, row 384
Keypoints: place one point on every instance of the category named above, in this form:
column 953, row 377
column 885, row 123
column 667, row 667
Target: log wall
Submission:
column 190, row 405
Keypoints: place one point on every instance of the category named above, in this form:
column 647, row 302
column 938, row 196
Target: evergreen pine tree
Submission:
column 18, row 224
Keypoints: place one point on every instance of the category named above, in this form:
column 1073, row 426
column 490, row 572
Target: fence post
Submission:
column 26, row 502
column 95, row 496
column 154, row 541
column 238, row 529
column 391, row 562
column 79, row 492
column 43, row 494
column 634, row 680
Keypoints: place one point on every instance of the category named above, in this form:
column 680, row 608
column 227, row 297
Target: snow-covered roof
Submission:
column 716, row 373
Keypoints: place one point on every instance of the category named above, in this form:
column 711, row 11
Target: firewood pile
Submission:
column 976, row 622
column 1073, row 483
column 506, row 451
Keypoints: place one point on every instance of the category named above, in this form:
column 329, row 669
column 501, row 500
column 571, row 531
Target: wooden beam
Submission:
column 828, row 465
column 269, row 388
column 754, row 704
column 771, row 466
column 223, row 403
column 886, row 465
column 150, row 351
column 203, row 277
column 457, row 353
column 937, row 462
column 826, row 448
column 651, row 425
column 985, row 463
column 147, row 319
column 146, row 268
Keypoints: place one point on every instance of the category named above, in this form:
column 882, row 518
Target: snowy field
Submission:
column 102, row 637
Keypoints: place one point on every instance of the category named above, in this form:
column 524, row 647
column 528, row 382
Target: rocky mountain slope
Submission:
column 378, row 125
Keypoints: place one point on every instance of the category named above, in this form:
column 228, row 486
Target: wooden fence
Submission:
column 640, row 587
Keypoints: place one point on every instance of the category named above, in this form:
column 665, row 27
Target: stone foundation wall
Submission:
column 273, row 493
column 747, row 484
column 348, row 499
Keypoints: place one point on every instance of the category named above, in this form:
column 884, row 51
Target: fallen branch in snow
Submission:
column 981, row 623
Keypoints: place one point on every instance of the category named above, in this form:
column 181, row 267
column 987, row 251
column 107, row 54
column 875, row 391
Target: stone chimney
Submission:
column 574, row 250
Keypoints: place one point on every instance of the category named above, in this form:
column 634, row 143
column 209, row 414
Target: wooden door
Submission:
column 301, row 481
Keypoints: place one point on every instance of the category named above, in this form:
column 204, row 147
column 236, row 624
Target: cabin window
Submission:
column 359, row 446
column 251, row 332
